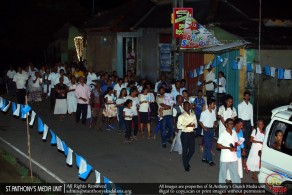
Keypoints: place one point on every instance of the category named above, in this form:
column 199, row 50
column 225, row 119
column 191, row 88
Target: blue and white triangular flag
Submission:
column 108, row 183
column 201, row 70
column 198, row 71
column 13, row 107
column 40, row 125
column 280, row 73
column 3, row 104
column 82, row 166
column 195, row 73
column 234, row 65
column 69, row 159
column 26, row 109
column 199, row 83
column 84, row 169
column 287, row 74
column 225, row 62
column 53, row 140
column 220, row 59
column 97, row 176
column 208, row 65
column 258, row 69
column 17, row 111
column 78, row 159
column 45, row 132
column 7, row 107
column 273, row 71
column 239, row 63
column 214, row 63
column 33, row 114
column 65, row 147
column 59, row 144
column 191, row 75
column 249, row 67
column 267, row 70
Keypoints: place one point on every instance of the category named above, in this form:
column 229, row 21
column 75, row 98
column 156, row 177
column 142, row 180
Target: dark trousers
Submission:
column 209, row 94
column 81, row 108
column 167, row 121
column 208, row 143
column 188, row 147
column 20, row 96
column 135, row 121
column 246, row 133
column 199, row 128
column 11, row 87
column 121, row 118
column 52, row 98
column 128, row 124
column 220, row 99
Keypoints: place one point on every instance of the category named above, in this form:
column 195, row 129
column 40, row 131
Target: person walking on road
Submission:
column 82, row 93
column 187, row 122
column 20, row 79
column 207, row 122
column 245, row 112
column 227, row 142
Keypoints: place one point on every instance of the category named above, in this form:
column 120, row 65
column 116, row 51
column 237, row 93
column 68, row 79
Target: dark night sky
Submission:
column 27, row 26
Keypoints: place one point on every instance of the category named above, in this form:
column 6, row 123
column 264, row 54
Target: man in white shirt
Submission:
column 118, row 87
column 135, row 104
column 91, row 77
column 61, row 74
column 82, row 93
column 176, row 90
column 207, row 122
column 187, row 122
column 227, row 142
column 245, row 112
column 53, row 81
column 21, row 82
column 210, row 77
column 10, row 84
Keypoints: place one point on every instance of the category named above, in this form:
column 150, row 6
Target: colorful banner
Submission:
column 195, row 36
column 179, row 15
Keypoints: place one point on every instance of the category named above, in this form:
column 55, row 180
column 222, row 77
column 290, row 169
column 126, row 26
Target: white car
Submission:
column 276, row 158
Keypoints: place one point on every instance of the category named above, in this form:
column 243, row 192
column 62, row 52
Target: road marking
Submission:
column 35, row 162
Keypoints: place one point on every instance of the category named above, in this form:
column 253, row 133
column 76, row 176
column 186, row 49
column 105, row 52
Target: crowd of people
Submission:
column 101, row 99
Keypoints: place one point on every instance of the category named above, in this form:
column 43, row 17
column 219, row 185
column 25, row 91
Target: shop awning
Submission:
column 226, row 46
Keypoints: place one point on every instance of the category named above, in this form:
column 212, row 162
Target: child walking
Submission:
column 128, row 114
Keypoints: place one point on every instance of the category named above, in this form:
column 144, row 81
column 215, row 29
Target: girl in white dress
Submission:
column 71, row 98
column 110, row 110
column 226, row 111
column 256, row 138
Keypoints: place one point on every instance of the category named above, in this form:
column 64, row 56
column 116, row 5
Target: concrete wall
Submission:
column 150, row 54
column 101, row 51
column 273, row 92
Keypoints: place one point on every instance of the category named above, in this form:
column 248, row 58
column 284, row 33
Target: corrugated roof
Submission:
column 226, row 46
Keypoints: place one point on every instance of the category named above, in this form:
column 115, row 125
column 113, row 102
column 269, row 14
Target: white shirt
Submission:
column 20, row 80
column 110, row 98
column 156, row 86
column 120, row 101
column 118, row 89
column 208, row 118
column 210, row 77
column 91, row 77
column 61, row 68
column 227, row 113
column 71, row 86
column 174, row 111
column 52, row 77
column 10, row 74
column 225, row 139
column 144, row 107
column 134, row 104
column 57, row 80
column 174, row 93
column 37, row 83
column 245, row 111
column 128, row 112
column 222, row 81
column 185, row 119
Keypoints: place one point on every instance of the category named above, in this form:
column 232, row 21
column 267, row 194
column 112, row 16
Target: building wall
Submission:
column 150, row 54
column 273, row 92
column 101, row 51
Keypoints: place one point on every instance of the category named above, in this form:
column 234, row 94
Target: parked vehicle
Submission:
column 276, row 157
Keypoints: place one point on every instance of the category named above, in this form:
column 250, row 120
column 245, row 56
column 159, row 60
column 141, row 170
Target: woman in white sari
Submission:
column 71, row 98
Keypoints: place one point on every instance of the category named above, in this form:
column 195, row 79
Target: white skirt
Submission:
column 60, row 106
column 72, row 104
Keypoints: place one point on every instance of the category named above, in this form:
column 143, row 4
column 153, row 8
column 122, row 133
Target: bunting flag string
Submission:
column 84, row 168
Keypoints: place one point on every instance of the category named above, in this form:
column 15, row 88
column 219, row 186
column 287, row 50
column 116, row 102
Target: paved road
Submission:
column 142, row 161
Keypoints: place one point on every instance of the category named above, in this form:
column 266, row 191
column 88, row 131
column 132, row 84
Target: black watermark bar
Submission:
column 132, row 188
